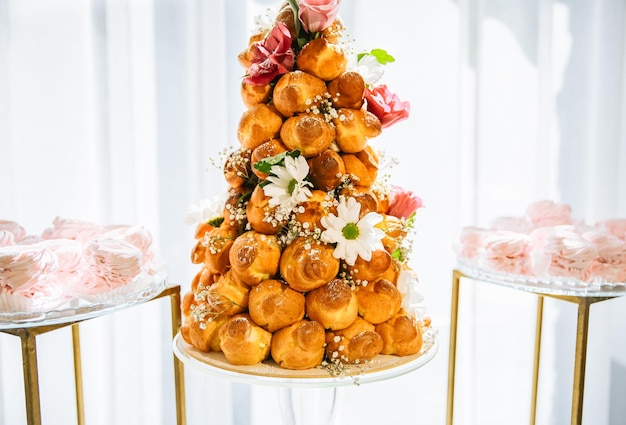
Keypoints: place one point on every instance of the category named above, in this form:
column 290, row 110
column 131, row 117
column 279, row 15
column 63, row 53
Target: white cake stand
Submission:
column 306, row 396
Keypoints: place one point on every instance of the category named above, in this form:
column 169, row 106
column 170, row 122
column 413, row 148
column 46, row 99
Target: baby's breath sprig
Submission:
column 323, row 105
column 211, row 305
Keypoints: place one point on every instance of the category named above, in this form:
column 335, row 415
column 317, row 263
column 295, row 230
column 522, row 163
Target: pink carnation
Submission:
column 317, row 15
column 386, row 105
column 271, row 57
column 403, row 203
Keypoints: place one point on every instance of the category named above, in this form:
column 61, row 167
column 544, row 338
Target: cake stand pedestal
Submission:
column 28, row 330
column 582, row 296
column 306, row 396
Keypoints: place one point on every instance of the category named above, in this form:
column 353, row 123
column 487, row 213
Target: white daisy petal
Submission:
column 368, row 238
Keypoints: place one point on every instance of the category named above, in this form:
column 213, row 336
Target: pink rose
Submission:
column 271, row 57
column 386, row 105
column 317, row 15
column 403, row 203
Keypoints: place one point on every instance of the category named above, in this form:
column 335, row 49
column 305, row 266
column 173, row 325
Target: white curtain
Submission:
column 111, row 111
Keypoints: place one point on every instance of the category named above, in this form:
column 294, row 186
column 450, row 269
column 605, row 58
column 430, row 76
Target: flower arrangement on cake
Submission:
column 546, row 244
column 304, row 259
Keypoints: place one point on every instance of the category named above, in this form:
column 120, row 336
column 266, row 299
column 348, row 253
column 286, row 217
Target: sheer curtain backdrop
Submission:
column 112, row 111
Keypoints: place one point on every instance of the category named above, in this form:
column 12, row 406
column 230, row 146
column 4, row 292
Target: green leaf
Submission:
column 381, row 56
column 216, row 222
column 410, row 222
column 265, row 165
column 398, row 255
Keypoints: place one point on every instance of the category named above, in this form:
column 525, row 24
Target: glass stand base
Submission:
column 308, row 406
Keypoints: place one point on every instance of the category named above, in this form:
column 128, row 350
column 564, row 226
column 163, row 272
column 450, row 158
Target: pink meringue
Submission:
column 6, row 238
column 82, row 231
column 610, row 264
column 11, row 226
column 23, row 266
column 570, row 255
column 507, row 252
column 69, row 255
column 549, row 213
column 471, row 241
column 112, row 263
column 615, row 226
column 135, row 235
column 512, row 224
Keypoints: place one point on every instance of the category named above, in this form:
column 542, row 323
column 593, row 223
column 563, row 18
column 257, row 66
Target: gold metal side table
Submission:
column 584, row 298
column 28, row 334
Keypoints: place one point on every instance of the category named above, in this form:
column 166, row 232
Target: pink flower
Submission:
column 403, row 203
column 271, row 57
column 386, row 105
column 317, row 15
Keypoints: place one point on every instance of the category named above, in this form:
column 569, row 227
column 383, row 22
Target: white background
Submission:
column 111, row 110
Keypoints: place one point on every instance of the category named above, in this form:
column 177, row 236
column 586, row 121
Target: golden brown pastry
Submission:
column 326, row 170
column 216, row 244
column 363, row 196
column 308, row 133
column 392, row 273
column 254, row 257
column 237, row 168
column 355, row 344
column 202, row 229
column 299, row 346
column 347, row 90
column 295, row 91
column 354, row 128
column 362, row 166
column 265, row 150
column 323, row 59
column 334, row 32
column 245, row 57
column 307, row 264
column 382, row 198
column 378, row 301
column 285, row 15
column 401, row 335
column 258, row 124
column 235, row 206
column 204, row 336
column 369, row 271
column 334, row 305
column 203, row 278
column 228, row 296
column 252, row 94
column 274, row 305
column 261, row 216
column 319, row 205
column 395, row 232
column 243, row 342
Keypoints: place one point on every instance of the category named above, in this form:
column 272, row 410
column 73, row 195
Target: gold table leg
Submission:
column 538, row 327
column 179, row 372
column 454, row 314
column 31, row 380
column 78, row 375
column 580, row 361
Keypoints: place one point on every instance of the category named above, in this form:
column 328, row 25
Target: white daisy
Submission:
column 287, row 187
column 412, row 299
column 206, row 210
column 353, row 237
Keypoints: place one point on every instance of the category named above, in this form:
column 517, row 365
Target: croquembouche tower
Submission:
column 306, row 262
